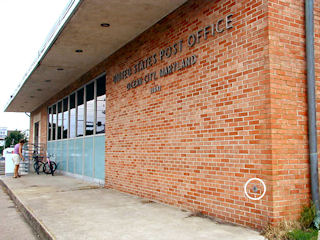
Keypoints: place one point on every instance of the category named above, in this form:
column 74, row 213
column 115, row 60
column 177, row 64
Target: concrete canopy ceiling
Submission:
column 82, row 30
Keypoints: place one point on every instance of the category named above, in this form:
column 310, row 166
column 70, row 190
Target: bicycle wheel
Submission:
column 49, row 169
column 36, row 167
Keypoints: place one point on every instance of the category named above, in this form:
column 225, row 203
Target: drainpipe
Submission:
column 312, row 124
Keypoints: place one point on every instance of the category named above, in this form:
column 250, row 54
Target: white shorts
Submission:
column 16, row 159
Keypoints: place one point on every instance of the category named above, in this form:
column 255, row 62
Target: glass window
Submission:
column 90, row 109
column 59, row 131
column 73, row 115
column 49, row 123
column 101, row 105
column 54, row 121
column 69, row 119
column 80, row 112
column 65, row 118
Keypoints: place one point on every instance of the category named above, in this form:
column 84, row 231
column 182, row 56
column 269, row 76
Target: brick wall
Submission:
column 238, row 112
column 291, row 177
column 42, row 127
column 195, row 143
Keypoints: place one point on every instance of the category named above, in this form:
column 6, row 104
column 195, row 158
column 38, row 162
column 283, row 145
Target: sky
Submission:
column 24, row 27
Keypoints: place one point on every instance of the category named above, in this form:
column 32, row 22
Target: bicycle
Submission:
column 48, row 166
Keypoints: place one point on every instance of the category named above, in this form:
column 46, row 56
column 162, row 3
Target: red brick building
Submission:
column 181, row 102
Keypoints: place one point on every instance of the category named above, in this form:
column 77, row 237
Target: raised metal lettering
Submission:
column 168, row 52
column 191, row 40
column 199, row 35
column 205, row 31
column 161, row 54
column 229, row 21
column 218, row 29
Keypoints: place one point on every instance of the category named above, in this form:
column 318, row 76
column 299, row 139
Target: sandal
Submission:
column 14, row 176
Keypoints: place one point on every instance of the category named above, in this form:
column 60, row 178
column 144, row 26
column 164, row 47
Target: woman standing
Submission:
column 17, row 156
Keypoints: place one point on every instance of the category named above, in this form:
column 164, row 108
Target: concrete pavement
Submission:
column 62, row 207
column 12, row 224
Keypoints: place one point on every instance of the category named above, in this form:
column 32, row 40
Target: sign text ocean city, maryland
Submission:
column 194, row 38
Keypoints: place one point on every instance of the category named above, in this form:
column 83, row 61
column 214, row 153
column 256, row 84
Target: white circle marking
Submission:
column 264, row 188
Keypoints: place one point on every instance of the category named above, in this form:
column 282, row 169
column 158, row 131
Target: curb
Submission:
column 37, row 226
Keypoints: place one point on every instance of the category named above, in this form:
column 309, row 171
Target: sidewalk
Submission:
column 62, row 207
column 12, row 223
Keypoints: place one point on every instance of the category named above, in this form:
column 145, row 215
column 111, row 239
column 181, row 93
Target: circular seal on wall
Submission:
column 255, row 188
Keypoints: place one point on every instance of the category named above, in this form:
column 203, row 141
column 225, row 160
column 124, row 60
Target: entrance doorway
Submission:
column 36, row 134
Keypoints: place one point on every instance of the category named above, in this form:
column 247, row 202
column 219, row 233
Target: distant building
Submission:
column 3, row 135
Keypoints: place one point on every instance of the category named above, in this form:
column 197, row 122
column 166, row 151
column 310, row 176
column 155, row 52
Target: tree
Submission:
column 14, row 138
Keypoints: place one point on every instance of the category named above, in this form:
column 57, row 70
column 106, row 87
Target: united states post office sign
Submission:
column 194, row 38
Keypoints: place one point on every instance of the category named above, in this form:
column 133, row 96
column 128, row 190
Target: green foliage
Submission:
column 308, row 214
column 297, row 234
column 304, row 229
column 316, row 222
column 1, row 150
column 13, row 138
column 280, row 231
column 307, row 222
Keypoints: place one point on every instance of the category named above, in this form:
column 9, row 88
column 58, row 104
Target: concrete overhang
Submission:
column 79, row 27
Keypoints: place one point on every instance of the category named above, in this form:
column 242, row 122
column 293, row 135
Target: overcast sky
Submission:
column 24, row 26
